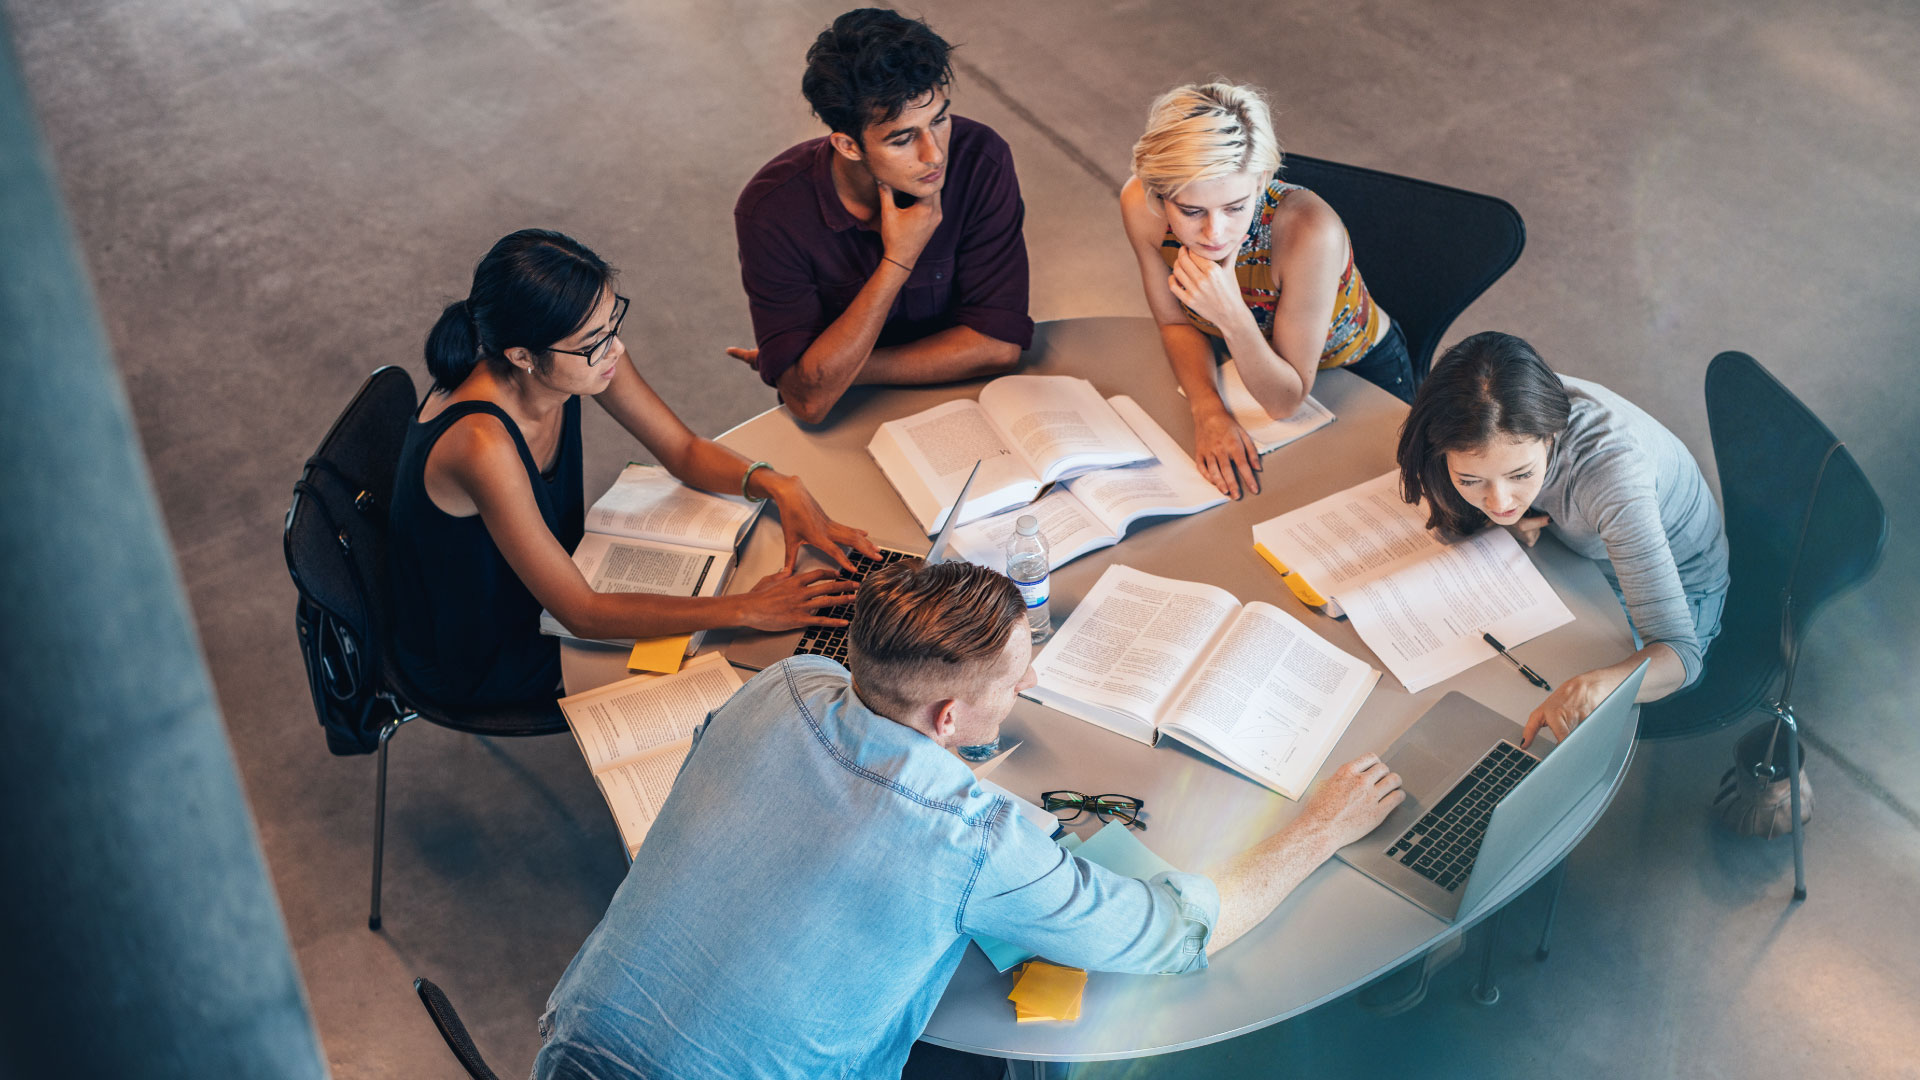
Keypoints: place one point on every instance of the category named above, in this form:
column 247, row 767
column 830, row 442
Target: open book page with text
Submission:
column 612, row 564
column 647, row 503
column 1094, row 510
column 1424, row 620
column 1070, row 526
column 634, row 734
column 1268, row 433
column 1170, row 484
column 1060, row 425
column 1271, row 700
column 1351, row 536
column 927, row 457
column 1127, row 647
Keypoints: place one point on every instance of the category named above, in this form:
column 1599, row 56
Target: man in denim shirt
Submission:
column 814, row 877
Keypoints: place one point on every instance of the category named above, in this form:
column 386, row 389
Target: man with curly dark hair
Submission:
column 889, row 250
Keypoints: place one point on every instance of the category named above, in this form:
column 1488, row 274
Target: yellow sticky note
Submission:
column 661, row 654
column 1295, row 582
column 1044, row 991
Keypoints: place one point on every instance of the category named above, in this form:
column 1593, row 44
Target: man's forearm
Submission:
column 958, row 352
column 1254, row 882
column 835, row 359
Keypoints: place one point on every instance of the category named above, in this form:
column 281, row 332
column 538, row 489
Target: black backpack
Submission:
column 335, row 541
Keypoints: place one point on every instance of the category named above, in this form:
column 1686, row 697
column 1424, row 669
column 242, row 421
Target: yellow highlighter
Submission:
column 1295, row 583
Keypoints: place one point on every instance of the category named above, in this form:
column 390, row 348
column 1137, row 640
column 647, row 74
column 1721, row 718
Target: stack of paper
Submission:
column 1042, row 991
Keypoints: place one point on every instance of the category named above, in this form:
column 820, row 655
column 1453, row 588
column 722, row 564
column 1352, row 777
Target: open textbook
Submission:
column 1026, row 431
column 1267, row 433
column 635, row 734
column 1152, row 657
column 650, row 533
column 1419, row 604
column 1094, row 510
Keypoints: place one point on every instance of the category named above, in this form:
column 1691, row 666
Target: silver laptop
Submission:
column 1461, row 829
column 757, row 650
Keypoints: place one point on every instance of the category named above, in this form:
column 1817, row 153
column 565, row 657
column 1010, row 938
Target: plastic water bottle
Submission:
column 1027, row 566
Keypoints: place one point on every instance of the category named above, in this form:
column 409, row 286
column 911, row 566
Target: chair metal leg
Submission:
column 1553, row 905
column 380, row 816
column 1793, row 782
column 1484, row 991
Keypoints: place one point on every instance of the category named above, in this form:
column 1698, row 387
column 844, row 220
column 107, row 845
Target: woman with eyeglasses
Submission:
column 487, row 499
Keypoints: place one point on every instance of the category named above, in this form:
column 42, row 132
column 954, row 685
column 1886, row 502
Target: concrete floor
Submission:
column 276, row 197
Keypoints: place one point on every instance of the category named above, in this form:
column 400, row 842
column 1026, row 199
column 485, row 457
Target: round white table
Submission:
column 1339, row 929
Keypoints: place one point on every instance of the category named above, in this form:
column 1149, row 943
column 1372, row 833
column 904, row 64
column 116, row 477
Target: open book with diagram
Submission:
column 1420, row 604
column 1027, row 431
column 1250, row 686
column 1094, row 510
column 651, row 533
column 636, row 733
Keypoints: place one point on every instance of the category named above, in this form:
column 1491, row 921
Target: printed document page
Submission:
column 1170, row 484
column 1424, row 621
column 1267, row 432
column 1130, row 642
column 1070, row 526
column 612, row 565
column 636, row 732
column 1060, row 424
column 927, row 456
column 1355, row 535
column 1272, row 699
column 647, row 503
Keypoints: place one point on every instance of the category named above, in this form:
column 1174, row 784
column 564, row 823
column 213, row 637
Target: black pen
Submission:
column 1532, row 676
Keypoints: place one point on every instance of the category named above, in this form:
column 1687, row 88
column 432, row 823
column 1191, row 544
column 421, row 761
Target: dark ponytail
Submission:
column 1489, row 386
column 533, row 288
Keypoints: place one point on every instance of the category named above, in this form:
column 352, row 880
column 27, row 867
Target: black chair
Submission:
column 452, row 1030
column 1425, row 250
column 335, row 542
column 1803, row 526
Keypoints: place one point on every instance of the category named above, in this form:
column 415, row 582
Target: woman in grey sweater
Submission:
column 1495, row 436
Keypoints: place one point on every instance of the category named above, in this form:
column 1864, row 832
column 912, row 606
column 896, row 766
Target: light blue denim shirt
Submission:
column 809, row 888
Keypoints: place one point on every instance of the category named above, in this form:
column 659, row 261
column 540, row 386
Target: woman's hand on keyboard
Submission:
column 785, row 600
column 804, row 523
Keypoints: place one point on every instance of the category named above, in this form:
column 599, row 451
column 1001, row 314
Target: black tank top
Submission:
column 466, row 630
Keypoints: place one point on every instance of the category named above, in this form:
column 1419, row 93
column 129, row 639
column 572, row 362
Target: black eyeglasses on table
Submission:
column 592, row 352
column 1069, row 806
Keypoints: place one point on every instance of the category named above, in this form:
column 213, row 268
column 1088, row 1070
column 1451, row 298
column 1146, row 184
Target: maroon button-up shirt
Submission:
column 804, row 257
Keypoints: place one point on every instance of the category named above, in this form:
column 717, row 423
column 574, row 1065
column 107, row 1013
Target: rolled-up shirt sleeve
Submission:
column 1625, row 510
column 1033, row 894
column 782, row 296
column 990, row 263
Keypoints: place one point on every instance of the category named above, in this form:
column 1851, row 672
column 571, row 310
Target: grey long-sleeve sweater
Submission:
column 1623, row 489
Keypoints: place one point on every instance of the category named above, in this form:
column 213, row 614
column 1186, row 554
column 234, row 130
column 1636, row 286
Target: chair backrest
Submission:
column 1803, row 525
column 1425, row 250
column 452, row 1030
column 335, row 545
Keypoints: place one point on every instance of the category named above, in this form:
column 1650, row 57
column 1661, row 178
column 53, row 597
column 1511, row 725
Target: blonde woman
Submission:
column 1237, row 262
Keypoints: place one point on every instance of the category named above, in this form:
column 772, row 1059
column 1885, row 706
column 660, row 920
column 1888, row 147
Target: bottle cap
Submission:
column 1028, row 525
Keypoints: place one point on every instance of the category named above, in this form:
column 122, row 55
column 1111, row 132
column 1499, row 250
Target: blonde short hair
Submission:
column 1202, row 131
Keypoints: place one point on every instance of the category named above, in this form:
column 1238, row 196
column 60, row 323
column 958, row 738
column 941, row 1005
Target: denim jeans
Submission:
column 1387, row 365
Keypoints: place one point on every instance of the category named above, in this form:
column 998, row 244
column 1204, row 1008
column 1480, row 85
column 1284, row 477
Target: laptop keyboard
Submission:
column 831, row 641
column 1441, row 846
